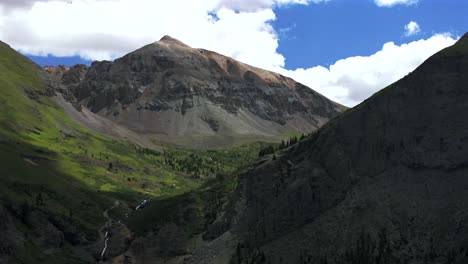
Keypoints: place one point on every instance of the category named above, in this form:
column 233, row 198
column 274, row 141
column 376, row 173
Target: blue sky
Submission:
column 322, row 34
column 344, row 49
column 51, row 60
column 311, row 35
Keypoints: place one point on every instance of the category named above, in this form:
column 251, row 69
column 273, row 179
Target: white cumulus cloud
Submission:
column 390, row 3
column 412, row 28
column 104, row 30
column 242, row 29
column 254, row 5
column 352, row 80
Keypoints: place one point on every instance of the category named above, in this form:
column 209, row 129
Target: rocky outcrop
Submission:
column 196, row 97
column 57, row 71
column 383, row 183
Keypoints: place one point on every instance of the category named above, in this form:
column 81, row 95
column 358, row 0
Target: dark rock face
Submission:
column 45, row 234
column 23, row 225
column 12, row 239
column 167, row 87
column 383, row 183
column 64, row 80
column 73, row 76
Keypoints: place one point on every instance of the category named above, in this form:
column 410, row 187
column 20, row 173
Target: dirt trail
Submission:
column 106, row 212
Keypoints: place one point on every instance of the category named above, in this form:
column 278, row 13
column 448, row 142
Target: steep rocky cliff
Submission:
column 196, row 97
column 386, row 182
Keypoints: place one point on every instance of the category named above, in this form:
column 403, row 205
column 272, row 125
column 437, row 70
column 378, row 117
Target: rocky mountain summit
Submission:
column 383, row 183
column 196, row 97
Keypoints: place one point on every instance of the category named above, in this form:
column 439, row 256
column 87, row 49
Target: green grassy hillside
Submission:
column 52, row 167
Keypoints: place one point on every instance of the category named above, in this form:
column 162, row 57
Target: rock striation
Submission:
column 195, row 97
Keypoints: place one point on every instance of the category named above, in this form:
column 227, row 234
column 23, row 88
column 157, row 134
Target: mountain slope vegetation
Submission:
column 57, row 177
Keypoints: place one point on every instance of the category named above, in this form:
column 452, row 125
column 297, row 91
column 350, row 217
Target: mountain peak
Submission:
column 465, row 36
column 463, row 41
column 199, row 98
column 172, row 41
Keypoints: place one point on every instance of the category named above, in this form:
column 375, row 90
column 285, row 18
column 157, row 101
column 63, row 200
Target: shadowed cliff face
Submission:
column 384, row 182
column 172, row 90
